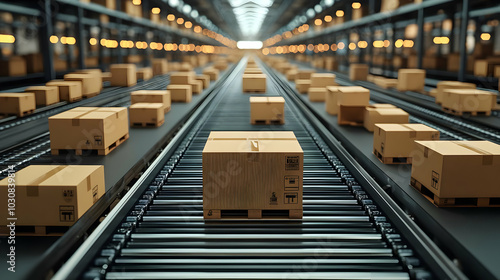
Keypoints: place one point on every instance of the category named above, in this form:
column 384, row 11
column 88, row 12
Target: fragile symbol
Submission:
column 66, row 213
column 435, row 180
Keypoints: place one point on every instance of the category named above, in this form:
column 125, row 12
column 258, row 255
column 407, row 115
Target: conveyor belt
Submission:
column 158, row 232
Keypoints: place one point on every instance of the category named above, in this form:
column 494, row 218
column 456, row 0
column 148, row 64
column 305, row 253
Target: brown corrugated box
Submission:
column 322, row 80
column 485, row 67
column 302, row 86
column 14, row 66
column 68, row 91
column 458, row 169
column 291, row 75
column 385, row 83
column 146, row 114
column 180, row 93
column 254, row 83
column 351, row 115
column 88, row 128
column 205, row 79
column 186, row 67
column 358, row 72
column 444, row 85
column 398, row 140
column 18, row 104
column 267, row 109
column 34, row 62
column 252, row 171
column 152, row 96
column 411, row 80
column 453, row 62
column 468, row 100
column 145, row 73
column 317, row 94
column 196, row 86
column 54, row 195
column 331, row 100
column 182, row 78
column 212, row 73
column 91, row 83
column 160, row 66
column 330, row 63
column 44, row 95
column 374, row 115
column 353, row 96
column 305, row 74
column 123, row 75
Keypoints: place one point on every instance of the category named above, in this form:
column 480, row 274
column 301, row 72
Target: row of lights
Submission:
column 64, row 40
column 127, row 44
column 286, row 35
column 334, row 47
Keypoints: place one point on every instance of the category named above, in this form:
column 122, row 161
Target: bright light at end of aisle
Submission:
column 249, row 45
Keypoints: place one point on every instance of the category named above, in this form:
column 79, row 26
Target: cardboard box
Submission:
column 205, row 79
column 317, row 94
column 123, row 75
column 88, row 128
column 146, row 114
column 385, row 83
column 291, row 75
column 54, row 195
column 458, row 169
column 358, row 72
column 152, row 96
column 453, row 62
column 302, row 86
column 145, row 73
column 212, row 73
column 331, row 100
column 180, row 93
column 496, row 71
column 44, row 95
column 305, row 74
column 399, row 62
column 262, row 171
column 411, row 80
column 18, row 104
column 459, row 101
column 13, row 67
column 254, row 83
column 91, row 83
column 353, row 96
column 68, row 91
column 34, row 62
column 196, row 86
column 395, row 143
column 267, row 110
column 351, row 115
column 331, row 64
column 322, row 80
column 106, row 77
column 220, row 65
column 182, row 78
column 174, row 66
column 160, row 66
column 374, row 115
column 486, row 67
column 186, row 67
column 444, row 85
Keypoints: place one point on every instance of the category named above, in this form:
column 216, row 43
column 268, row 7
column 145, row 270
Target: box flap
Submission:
column 13, row 94
column 448, row 148
column 149, row 92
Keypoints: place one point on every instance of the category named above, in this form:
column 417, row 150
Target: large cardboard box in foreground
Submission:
column 123, row 75
column 267, row 110
column 18, row 104
column 88, row 128
column 411, row 80
column 253, row 171
column 53, row 195
column 395, row 143
column 254, row 83
column 374, row 115
column 457, row 169
column 152, row 96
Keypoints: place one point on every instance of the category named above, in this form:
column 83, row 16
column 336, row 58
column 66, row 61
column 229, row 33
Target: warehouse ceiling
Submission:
column 251, row 19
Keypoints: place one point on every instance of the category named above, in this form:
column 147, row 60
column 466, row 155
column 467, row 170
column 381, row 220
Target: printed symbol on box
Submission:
column 98, row 140
column 209, row 213
column 66, row 213
column 291, row 183
column 68, row 194
column 382, row 147
column 87, row 143
column 291, row 198
column 292, row 163
column 94, row 194
column 273, row 200
column 435, row 180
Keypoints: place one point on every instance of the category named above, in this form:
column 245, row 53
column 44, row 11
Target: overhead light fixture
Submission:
column 485, row 36
column 249, row 45
column 136, row 2
column 156, row 10
column 9, row 39
column 339, row 13
column 356, row 5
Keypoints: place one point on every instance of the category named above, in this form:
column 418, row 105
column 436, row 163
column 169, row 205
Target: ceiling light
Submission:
column 249, row 45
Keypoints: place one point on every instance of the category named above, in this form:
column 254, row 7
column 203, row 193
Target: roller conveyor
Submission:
column 158, row 231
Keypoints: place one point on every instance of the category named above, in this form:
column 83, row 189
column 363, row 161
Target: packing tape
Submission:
column 487, row 156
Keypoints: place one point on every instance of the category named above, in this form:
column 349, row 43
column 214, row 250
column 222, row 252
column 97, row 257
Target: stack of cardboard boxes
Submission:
column 303, row 80
column 181, row 86
column 351, row 105
column 319, row 83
